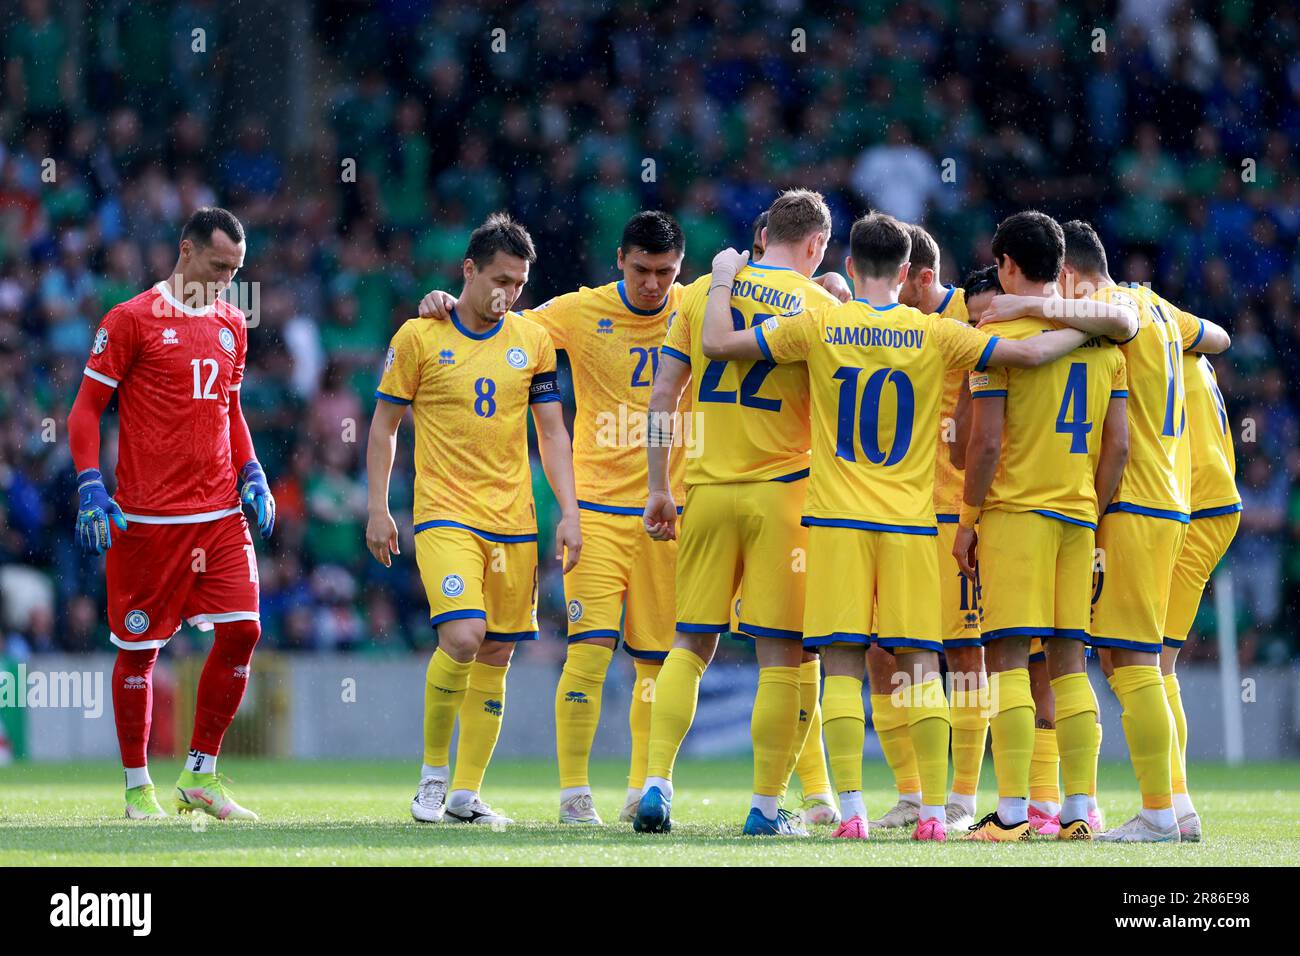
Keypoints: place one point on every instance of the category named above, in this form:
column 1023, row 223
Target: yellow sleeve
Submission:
column 1190, row 328
column 555, row 315
column 1119, row 382
column 677, row 342
column 545, row 385
column 402, row 365
column 963, row 346
column 789, row 338
column 990, row 383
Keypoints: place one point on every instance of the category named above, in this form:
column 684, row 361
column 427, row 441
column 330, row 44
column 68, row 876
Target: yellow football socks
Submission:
column 844, row 723
column 1012, row 730
column 1149, row 728
column 890, row 722
column 444, row 688
column 480, row 724
column 774, row 727
column 1178, row 752
column 638, row 719
column 811, row 762
column 1096, row 756
column 1076, row 732
column 676, row 694
column 577, row 709
column 928, row 726
column 970, row 727
column 1045, row 767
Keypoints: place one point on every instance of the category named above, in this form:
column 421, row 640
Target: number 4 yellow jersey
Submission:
column 876, row 376
column 1051, row 430
column 754, row 415
column 469, row 393
column 1158, row 473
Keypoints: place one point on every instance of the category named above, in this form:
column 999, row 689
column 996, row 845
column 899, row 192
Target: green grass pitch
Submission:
column 341, row 813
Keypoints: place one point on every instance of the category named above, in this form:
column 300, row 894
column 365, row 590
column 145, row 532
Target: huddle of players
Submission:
column 774, row 364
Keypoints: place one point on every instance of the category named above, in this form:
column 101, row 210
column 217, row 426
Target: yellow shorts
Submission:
column 1035, row 576
column 959, row 597
column 853, row 573
column 468, row 575
column 1136, row 554
column 1207, row 541
column 622, row 567
column 743, row 537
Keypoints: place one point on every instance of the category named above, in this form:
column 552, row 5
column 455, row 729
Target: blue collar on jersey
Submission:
column 764, row 265
column 946, row 299
column 455, row 320
column 878, row 308
column 622, row 294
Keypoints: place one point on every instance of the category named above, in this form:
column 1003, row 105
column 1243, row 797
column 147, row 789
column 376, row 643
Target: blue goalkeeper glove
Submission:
column 256, row 492
column 94, row 513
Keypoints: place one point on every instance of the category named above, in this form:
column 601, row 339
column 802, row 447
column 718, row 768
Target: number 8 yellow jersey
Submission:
column 469, row 393
column 753, row 415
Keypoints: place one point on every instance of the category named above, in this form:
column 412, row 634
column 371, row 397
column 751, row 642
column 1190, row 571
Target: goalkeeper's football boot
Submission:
column 208, row 793
column 991, row 829
column 142, row 804
column 653, row 813
column 819, row 812
column 904, row 813
column 580, row 809
column 1140, row 830
column 1189, row 827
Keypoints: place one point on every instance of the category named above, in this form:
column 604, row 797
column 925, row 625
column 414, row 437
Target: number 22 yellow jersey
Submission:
column 1051, row 434
column 754, row 415
column 1158, row 472
column 614, row 354
column 876, row 375
column 469, row 393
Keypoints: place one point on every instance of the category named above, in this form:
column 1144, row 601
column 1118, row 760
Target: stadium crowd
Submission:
column 1176, row 141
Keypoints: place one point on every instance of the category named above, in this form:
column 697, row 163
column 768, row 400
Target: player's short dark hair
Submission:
column 499, row 233
column 759, row 225
column 797, row 214
column 207, row 219
column 879, row 245
column 984, row 279
column 1083, row 249
column 654, row 231
column 1034, row 239
column 925, row 251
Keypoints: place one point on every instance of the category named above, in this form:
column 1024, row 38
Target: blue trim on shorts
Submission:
column 1125, row 644
column 1038, row 658
column 614, row 509
column 1119, row 393
column 1071, row 633
column 947, row 519
column 793, row 476
column 680, row 356
column 1215, row 512
column 963, row 642
column 510, row 636
column 811, row 522
column 458, row 615
column 1066, row 518
column 753, row 630
column 1001, row 632
column 1174, row 642
column 839, row 637
column 588, row 635
column 1126, row 508
column 889, row 643
column 659, row 656
column 702, row 628
column 384, row 396
column 486, row 535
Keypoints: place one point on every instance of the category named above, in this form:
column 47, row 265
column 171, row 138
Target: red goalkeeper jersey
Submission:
column 174, row 368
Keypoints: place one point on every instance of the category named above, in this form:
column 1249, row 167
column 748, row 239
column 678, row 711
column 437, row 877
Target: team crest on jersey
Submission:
column 575, row 610
column 137, row 622
column 169, row 337
column 388, row 359
column 227, row 340
column 453, row 585
column 101, row 342
column 516, row 357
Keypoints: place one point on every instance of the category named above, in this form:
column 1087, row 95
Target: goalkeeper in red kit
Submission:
column 178, row 547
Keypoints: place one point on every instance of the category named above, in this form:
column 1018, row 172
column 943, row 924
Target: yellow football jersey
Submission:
column 1051, row 434
column 753, row 415
column 1214, row 462
column 947, row 477
column 470, row 393
column 876, row 376
column 614, row 353
column 1155, row 480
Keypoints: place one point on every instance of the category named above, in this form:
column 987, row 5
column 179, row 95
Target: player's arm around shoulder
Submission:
column 1201, row 335
column 721, row 340
column 1115, row 318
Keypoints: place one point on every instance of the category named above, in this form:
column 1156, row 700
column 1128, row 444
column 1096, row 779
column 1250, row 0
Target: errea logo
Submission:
column 605, row 326
column 76, row 909
column 169, row 337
